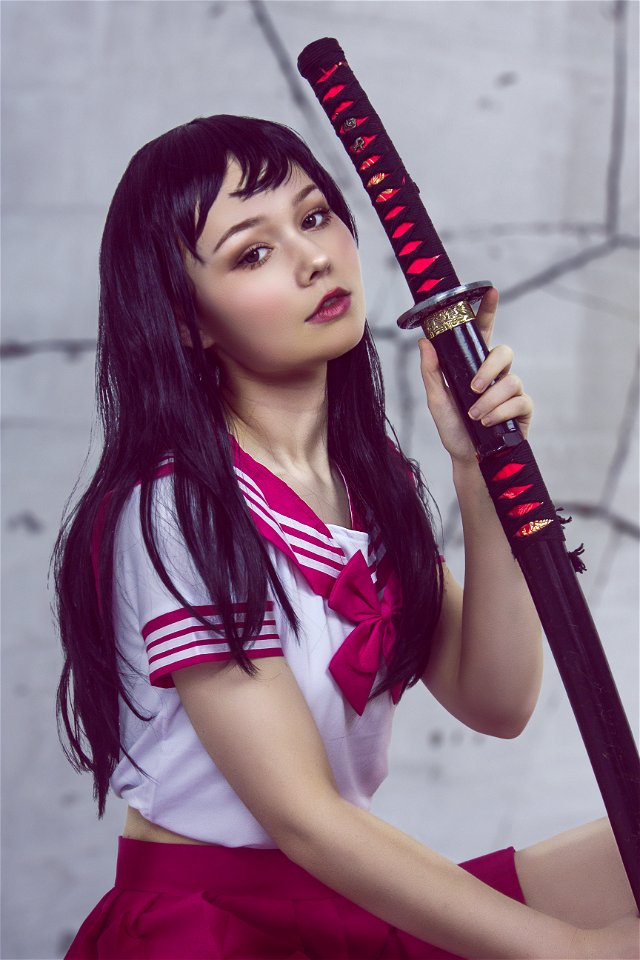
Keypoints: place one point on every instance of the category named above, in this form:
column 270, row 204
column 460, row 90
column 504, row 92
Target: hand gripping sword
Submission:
column 443, row 307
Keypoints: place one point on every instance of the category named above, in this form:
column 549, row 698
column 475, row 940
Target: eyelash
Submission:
column 244, row 264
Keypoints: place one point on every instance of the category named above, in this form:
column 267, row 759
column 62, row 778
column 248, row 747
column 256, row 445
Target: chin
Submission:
column 346, row 342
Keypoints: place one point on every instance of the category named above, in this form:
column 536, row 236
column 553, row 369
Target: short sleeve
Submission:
column 172, row 636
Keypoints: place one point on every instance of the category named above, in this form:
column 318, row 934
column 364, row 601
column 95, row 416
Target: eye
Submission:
column 317, row 219
column 254, row 256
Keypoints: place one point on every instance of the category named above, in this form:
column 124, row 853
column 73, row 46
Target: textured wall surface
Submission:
column 519, row 123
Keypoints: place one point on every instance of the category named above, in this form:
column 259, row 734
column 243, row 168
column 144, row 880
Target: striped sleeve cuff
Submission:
column 176, row 639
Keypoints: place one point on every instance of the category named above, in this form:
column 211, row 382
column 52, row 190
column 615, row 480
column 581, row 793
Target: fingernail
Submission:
column 477, row 384
column 474, row 413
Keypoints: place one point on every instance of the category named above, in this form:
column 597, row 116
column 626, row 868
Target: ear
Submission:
column 185, row 337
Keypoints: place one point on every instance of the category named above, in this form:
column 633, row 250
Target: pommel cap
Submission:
column 321, row 53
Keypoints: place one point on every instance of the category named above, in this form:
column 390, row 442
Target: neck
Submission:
column 284, row 423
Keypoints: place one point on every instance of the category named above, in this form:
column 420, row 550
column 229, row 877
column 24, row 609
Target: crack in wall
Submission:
column 297, row 87
column 71, row 347
column 555, row 270
column 595, row 302
column 616, row 153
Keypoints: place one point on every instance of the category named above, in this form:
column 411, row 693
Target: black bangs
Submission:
column 196, row 159
column 261, row 173
column 177, row 177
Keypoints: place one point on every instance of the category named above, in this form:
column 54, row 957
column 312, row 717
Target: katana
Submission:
column 443, row 307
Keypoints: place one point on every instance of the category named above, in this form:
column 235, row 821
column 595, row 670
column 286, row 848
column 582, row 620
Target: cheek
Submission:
column 250, row 319
column 348, row 245
column 347, row 255
column 346, row 252
column 252, row 307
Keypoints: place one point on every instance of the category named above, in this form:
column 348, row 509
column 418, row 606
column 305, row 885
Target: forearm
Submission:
column 500, row 662
column 413, row 888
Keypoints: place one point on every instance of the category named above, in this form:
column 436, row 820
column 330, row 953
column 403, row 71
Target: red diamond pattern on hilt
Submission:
column 402, row 229
column 327, row 73
column 393, row 212
column 508, row 471
column 523, row 508
column 341, row 107
column 429, row 285
column 333, row 92
column 420, row 265
column 514, row 492
column 386, row 195
column 369, row 162
column 410, row 247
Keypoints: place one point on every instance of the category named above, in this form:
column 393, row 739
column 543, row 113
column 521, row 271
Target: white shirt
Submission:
column 183, row 790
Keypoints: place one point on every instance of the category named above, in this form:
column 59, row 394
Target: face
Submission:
column 268, row 262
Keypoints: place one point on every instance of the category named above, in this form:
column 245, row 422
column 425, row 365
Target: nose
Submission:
column 313, row 262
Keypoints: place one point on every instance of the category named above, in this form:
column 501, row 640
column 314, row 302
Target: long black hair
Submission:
column 157, row 396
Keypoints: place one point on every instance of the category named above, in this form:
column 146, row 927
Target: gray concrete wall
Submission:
column 519, row 122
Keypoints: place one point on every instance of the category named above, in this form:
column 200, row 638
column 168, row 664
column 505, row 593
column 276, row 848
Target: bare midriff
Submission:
column 137, row 827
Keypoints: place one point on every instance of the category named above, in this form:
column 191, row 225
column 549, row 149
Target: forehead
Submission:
column 228, row 204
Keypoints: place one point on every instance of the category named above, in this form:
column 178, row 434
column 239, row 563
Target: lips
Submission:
column 332, row 305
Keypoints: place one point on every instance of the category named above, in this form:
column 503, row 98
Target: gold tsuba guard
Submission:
column 447, row 319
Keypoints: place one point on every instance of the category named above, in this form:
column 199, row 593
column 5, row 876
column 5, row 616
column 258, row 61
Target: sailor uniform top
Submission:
column 344, row 594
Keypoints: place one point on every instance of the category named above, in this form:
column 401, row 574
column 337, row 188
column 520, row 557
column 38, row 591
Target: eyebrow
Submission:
column 254, row 221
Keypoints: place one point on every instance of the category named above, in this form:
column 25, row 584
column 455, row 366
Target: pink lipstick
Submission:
column 332, row 306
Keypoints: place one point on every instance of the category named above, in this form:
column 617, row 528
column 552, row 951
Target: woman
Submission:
column 265, row 582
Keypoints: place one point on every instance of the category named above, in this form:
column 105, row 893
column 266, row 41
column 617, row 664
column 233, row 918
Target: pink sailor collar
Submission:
column 350, row 587
column 286, row 521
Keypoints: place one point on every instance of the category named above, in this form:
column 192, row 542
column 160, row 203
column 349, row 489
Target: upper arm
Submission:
column 261, row 735
column 258, row 729
column 441, row 674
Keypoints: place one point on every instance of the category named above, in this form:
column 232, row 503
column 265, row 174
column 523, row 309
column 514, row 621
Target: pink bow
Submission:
column 355, row 664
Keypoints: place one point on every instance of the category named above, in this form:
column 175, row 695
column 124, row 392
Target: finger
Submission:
column 498, row 393
column 486, row 315
column 429, row 363
column 496, row 365
column 431, row 373
column 515, row 408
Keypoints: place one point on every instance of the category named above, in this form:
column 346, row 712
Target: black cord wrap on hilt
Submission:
column 522, row 500
column 393, row 194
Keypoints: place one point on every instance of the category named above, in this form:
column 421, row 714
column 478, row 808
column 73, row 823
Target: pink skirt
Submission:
column 184, row 902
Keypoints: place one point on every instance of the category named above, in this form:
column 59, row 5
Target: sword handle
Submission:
column 393, row 194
